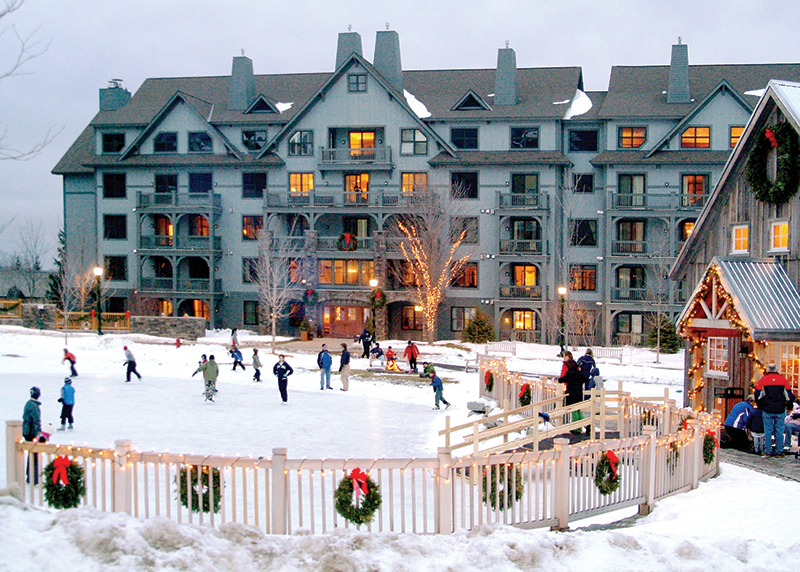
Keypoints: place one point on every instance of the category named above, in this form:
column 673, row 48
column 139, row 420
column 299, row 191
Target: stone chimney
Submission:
column 678, row 90
column 387, row 58
column 505, row 84
column 242, row 89
column 114, row 96
column 349, row 42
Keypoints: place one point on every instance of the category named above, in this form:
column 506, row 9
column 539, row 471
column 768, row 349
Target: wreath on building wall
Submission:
column 489, row 381
column 367, row 494
column 64, row 486
column 606, row 477
column 201, row 488
column 710, row 445
column 377, row 299
column 347, row 242
column 525, row 395
column 783, row 137
column 310, row 297
column 498, row 491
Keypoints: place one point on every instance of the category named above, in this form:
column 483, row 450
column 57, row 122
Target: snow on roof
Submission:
column 580, row 105
column 416, row 105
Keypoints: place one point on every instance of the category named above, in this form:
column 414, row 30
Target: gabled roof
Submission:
column 78, row 155
column 475, row 158
column 762, row 294
column 722, row 88
column 640, row 91
column 783, row 94
column 471, row 101
column 261, row 105
column 682, row 157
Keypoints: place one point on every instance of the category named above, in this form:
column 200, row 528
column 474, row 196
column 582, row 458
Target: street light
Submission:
column 98, row 273
column 562, row 292
column 373, row 283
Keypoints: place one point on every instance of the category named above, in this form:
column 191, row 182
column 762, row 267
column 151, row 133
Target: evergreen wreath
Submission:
column 370, row 502
column 500, row 492
column 310, row 297
column 605, row 477
column 63, row 483
column 525, row 395
column 709, row 446
column 782, row 136
column 489, row 381
column 347, row 242
column 377, row 299
column 199, row 489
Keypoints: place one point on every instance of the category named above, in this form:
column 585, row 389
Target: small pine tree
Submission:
column 670, row 341
column 479, row 330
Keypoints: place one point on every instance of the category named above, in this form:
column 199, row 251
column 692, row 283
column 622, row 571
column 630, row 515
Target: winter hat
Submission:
column 67, row 380
column 35, row 392
column 125, row 348
column 772, row 368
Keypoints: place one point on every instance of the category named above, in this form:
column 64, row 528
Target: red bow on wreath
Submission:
column 770, row 135
column 522, row 391
column 685, row 424
column 612, row 460
column 60, row 465
column 713, row 434
column 359, row 479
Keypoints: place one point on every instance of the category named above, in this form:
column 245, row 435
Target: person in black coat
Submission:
column 574, row 382
column 283, row 370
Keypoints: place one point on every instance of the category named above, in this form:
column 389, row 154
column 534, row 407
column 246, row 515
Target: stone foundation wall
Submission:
column 39, row 316
column 169, row 327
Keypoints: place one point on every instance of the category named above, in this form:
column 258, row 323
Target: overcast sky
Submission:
column 92, row 41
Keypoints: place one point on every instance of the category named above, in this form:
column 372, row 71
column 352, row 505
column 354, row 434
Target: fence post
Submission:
column 650, row 471
column 15, row 460
column 445, row 496
column 694, row 467
column 122, row 477
column 561, row 484
column 669, row 408
column 279, row 491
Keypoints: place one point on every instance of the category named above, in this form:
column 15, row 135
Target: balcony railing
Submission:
column 521, row 292
column 149, row 199
column 331, row 243
column 198, row 285
column 524, row 201
column 150, row 284
column 527, row 336
column 629, row 247
column 630, row 294
column 520, row 247
column 660, row 201
column 180, row 243
column 350, row 156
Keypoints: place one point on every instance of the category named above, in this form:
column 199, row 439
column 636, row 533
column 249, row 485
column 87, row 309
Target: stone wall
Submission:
column 169, row 327
column 39, row 316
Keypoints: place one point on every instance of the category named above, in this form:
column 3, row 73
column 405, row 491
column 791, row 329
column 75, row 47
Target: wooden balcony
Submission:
column 150, row 201
column 660, row 201
column 375, row 159
column 525, row 201
column 521, row 247
column 521, row 292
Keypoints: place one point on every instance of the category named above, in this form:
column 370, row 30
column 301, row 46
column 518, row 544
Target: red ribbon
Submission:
column 713, row 434
column 524, row 388
column 359, row 479
column 770, row 135
column 486, row 377
column 60, row 465
column 685, row 424
column 612, row 460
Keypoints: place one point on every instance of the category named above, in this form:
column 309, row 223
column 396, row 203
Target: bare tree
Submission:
column 31, row 247
column 436, row 241
column 658, row 283
column 278, row 276
column 27, row 48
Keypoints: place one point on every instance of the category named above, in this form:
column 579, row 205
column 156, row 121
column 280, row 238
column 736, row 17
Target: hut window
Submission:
column 717, row 361
column 780, row 236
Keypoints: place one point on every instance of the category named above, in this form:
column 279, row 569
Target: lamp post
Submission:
column 562, row 292
column 373, row 283
column 98, row 273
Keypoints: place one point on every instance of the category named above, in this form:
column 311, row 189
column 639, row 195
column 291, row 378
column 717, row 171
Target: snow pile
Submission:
column 281, row 106
column 416, row 105
column 580, row 105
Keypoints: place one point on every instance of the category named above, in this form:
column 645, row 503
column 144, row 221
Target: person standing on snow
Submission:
column 237, row 358
column 131, row 363
column 366, row 341
column 324, row 362
column 32, row 429
column 234, row 338
column 344, row 368
column 210, row 371
column 411, row 354
column 773, row 394
column 256, row 365
column 283, row 370
column 67, row 401
column 438, row 388
column 70, row 357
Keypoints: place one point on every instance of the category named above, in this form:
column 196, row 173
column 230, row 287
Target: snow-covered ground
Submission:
column 719, row 526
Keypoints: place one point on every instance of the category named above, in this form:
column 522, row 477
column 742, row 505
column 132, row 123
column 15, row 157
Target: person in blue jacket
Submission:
column 438, row 387
column 237, row 358
column 736, row 424
column 67, row 401
column 283, row 370
column 324, row 361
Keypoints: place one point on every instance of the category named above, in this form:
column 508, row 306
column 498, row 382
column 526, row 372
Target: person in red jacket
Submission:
column 70, row 357
column 411, row 354
column 773, row 393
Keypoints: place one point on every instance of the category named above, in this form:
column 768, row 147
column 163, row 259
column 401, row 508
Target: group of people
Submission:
column 770, row 417
column 388, row 359
column 578, row 376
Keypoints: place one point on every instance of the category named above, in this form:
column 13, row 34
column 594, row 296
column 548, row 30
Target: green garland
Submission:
column 199, row 489
column 604, row 477
column 709, row 446
column 525, row 395
column 61, row 495
column 370, row 502
column 785, row 185
column 500, row 492
column 377, row 299
column 489, row 380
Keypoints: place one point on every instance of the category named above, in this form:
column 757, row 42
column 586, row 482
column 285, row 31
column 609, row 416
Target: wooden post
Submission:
column 561, row 484
column 445, row 494
column 279, row 491
column 15, row 459
column 693, row 465
column 122, row 477
column 649, row 471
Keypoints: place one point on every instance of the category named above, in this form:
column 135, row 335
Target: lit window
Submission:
column 780, row 236
column 412, row 319
column 717, row 361
column 301, row 183
column 526, row 275
column 346, row 272
column 357, row 83
column 251, row 226
column 467, row 277
column 413, row 142
column 524, row 320
column 740, row 239
column 687, row 227
column 736, row 133
column 632, row 137
column 583, row 277
column 301, row 143
column 696, row 138
column 695, row 188
column 414, row 183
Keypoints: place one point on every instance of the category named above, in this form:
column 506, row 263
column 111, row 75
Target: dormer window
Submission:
column 113, row 142
column 254, row 140
column 200, row 142
column 357, row 83
column 165, row 142
column 696, row 138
